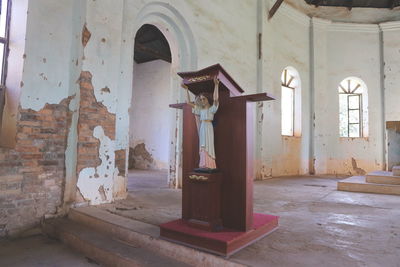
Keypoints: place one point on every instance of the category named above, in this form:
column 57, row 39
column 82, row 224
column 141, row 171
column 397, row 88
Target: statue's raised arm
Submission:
column 215, row 95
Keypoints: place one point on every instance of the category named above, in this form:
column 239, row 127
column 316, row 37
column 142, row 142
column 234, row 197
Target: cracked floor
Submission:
column 319, row 226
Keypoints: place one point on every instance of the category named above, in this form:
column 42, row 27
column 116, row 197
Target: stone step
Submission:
column 382, row 177
column 105, row 249
column 146, row 235
column 359, row 184
column 396, row 170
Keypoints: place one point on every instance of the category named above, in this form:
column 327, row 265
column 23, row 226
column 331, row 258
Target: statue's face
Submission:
column 203, row 100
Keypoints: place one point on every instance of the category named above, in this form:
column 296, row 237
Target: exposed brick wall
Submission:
column 91, row 114
column 32, row 174
column 120, row 161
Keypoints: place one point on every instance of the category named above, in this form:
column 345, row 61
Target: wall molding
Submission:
column 390, row 26
column 354, row 27
column 320, row 24
column 293, row 14
column 172, row 22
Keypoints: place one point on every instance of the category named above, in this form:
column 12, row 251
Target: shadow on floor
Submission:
column 38, row 251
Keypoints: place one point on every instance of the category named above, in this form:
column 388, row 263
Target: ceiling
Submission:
column 150, row 44
column 356, row 3
column 353, row 11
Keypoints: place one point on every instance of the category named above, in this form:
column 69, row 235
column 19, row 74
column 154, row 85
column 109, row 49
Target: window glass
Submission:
column 287, row 107
column 354, row 116
column 354, row 102
column 343, row 115
column 354, row 130
column 1, row 58
column 3, row 18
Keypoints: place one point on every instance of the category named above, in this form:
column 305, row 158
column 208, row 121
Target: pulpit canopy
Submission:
column 202, row 80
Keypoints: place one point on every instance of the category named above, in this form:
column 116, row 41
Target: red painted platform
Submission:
column 225, row 242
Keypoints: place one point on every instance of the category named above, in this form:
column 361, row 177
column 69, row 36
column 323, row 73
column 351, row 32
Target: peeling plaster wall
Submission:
column 351, row 50
column 78, row 21
column 286, row 43
column 73, row 127
column 102, row 52
column 100, row 84
column 150, row 112
column 41, row 87
column 97, row 171
column 96, row 184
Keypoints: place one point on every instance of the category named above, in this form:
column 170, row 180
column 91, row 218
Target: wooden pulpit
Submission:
column 217, row 208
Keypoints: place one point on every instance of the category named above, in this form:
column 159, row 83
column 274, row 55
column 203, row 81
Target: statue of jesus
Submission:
column 204, row 113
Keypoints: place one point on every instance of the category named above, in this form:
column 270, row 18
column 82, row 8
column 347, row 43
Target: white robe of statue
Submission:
column 206, row 135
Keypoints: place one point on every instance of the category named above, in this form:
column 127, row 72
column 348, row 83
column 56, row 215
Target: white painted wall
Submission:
column 351, row 50
column 391, row 39
column 391, row 58
column 49, row 51
column 150, row 112
column 286, row 43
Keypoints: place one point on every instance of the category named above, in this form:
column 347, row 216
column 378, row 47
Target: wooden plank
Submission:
column 230, row 149
column 190, row 158
column 178, row 105
column 255, row 97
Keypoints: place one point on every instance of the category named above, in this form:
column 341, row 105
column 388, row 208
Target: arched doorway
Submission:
column 150, row 115
column 183, row 49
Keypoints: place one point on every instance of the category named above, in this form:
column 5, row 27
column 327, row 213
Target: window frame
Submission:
column 349, row 92
column 286, row 83
column 4, row 65
column 5, row 40
column 359, row 123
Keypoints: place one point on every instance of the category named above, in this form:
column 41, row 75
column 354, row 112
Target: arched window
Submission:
column 353, row 108
column 290, row 102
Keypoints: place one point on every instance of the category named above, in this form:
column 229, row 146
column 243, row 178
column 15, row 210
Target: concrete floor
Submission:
column 40, row 251
column 146, row 179
column 319, row 226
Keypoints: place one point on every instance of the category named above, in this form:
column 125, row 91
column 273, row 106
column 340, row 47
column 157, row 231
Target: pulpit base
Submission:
column 225, row 242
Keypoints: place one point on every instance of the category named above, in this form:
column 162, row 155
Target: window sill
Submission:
column 353, row 138
column 291, row 137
